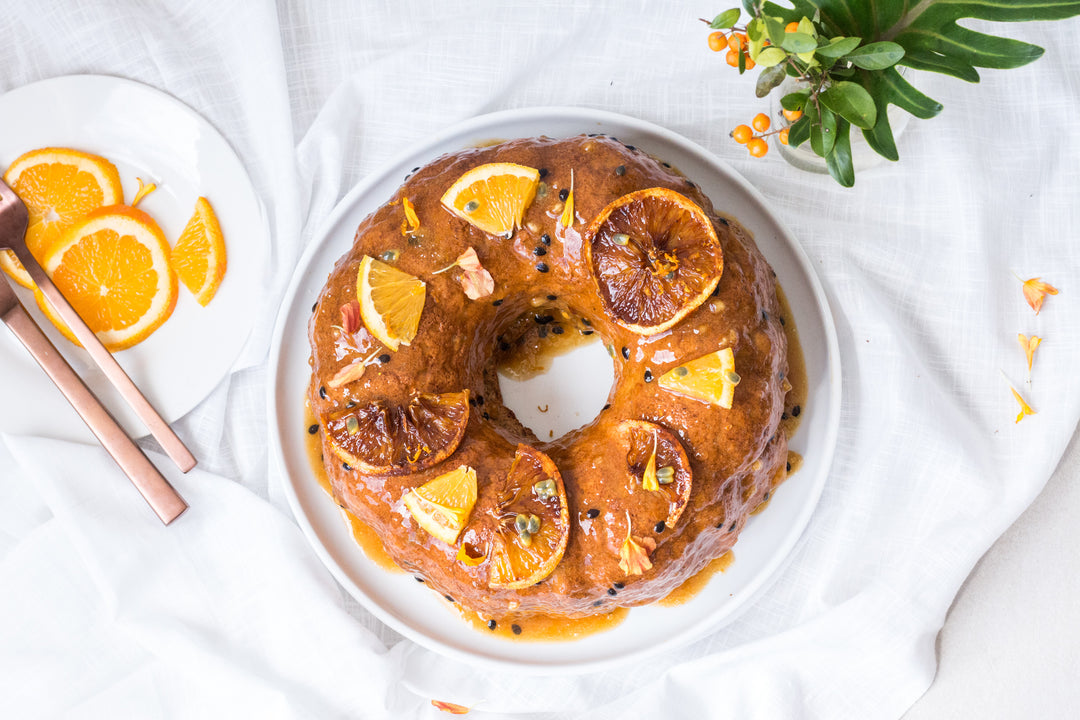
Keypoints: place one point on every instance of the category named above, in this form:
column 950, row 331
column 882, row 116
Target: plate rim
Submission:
column 762, row 579
column 262, row 229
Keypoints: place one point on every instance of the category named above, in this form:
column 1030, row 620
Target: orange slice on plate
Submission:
column 655, row 257
column 529, row 526
column 710, row 378
column 442, row 506
column 113, row 267
column 382, row 438
column 493, row 197
column 199, row 255
column 58, row 186
column 391, row 302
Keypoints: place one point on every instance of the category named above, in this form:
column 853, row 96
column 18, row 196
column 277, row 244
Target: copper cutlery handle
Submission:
column 157, row 426
column 161, row 496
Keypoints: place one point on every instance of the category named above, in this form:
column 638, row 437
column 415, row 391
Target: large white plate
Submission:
column 151, row 135
column 421, row 615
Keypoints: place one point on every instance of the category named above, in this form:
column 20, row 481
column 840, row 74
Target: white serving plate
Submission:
column 149, row 134
column 423, row 616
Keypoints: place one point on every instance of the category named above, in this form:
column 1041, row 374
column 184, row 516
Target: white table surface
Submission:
column 1010, row 647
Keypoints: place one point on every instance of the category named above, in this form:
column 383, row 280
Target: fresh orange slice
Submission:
column 527, row 530
column 382, row 438
column 655, row 257
column 59, row 186
column 113, row 267
column 442, row 506
column 199, row 255
column 493, row 197
column 391, row 302
column 710, row 378
column 658, row 476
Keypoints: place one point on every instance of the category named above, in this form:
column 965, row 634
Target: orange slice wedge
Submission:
column 442, row 506
column 391, row 302
column 59, row 186
column 493, row 197
column 113, row 267
column 655, row 257
column 199, row 255
column 710, row 378
column 382, row 438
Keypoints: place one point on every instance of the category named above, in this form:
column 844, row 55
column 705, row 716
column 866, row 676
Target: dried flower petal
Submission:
column 350, row 317
column 648, row 478
column 478, row 284
column 1035, row 291
column 350, row 373
column 634, row 554
column 1029, row 345
column 411, row 223
column 468, row 261
column 142, row 192
column 450, row 707
column 567, row 218
column 1025, row 409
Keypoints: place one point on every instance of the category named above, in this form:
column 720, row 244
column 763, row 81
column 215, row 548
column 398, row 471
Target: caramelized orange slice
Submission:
column 655, row 257
column 493, row 197
column 442, row 506
column 658, row 476
column 59, row 186
column 529, row 526
column 386, row 439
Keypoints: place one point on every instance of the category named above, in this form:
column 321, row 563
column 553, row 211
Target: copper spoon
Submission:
column 13, row 223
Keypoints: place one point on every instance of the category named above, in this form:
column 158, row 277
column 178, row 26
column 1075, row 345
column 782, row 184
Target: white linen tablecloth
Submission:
column 104, row 613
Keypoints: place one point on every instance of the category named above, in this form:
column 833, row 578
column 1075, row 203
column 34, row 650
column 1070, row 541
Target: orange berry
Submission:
column 717, row 41
column 732, row 58
column 783, row 136
column 742, row 134
column 757, row 147
column 792, row 115
column 737, row 40
column 750, row 63
column 792, row 27
column 761, row 122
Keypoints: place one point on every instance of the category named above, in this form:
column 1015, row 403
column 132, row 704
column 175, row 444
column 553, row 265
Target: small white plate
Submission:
column 423, row 616
column 151, row 135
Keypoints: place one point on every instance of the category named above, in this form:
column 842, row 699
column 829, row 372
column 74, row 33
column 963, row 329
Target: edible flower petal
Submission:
column 1029, row 345
column 142, row 192
column 648, row 478
column 1025, row 409
column 469, row 261
column 411, row 223
column 567, row 218
column 634, row 554
column 1035, row 291
column 476, row 281
column 350, row 317
column 350, row 373
column 450, row 707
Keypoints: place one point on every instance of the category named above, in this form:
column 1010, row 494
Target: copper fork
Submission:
column 13, row 224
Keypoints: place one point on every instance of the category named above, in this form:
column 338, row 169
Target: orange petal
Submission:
column 450, row 707
column 1025, row 409
column 567, row 218
column 1035, row 291
column 412, row 222
column 1029, row 345
column 649, row 480
column 634, row 554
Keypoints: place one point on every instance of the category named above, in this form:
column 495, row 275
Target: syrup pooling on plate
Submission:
column 614, row 556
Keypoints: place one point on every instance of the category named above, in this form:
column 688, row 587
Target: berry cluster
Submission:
column 735, row 43
column 744, row 134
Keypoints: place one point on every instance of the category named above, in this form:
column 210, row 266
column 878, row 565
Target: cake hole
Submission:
column 569, row 395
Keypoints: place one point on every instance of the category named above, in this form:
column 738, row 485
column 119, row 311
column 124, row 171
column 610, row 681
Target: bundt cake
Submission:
column 487, row 251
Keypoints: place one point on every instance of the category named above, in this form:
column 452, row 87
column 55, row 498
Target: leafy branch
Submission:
column 845, row 54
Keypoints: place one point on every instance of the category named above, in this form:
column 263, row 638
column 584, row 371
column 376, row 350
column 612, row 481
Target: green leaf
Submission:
column 742, row 60
column 807, row 26
column 774, row 28
column 771, row 56
column 852, row 102
column 726, row 19
column 768, row 79
column 798, row 42
column 822, row 134
column 838, row 47
column 799, row 132
column 794, row 100
column 839, row 160
column 876, row 56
